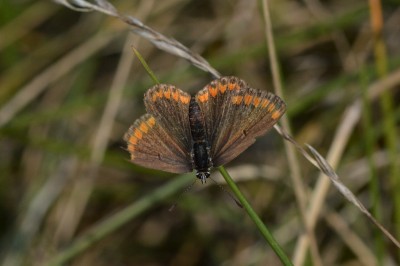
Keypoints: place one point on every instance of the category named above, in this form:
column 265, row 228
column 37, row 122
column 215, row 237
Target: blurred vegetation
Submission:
column 64, row 169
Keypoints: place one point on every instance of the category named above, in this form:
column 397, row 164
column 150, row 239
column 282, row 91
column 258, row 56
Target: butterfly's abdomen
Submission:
column 201, row 148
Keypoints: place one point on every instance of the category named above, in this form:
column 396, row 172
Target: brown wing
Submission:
column 235, row 115
column 151, row 146
column 170, row 108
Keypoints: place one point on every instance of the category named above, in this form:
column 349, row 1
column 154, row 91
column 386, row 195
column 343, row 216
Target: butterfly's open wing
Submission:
column 235, row 115
column 161, row 139
column 151, row 146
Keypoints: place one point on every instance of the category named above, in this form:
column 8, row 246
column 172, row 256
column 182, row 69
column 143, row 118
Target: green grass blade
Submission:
column 145, row 65
column 116, row 221
column 256, row 219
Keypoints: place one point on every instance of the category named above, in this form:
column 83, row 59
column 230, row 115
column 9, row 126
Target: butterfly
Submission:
column 181, row 133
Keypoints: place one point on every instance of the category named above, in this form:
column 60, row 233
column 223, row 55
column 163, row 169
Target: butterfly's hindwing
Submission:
column 256, row 113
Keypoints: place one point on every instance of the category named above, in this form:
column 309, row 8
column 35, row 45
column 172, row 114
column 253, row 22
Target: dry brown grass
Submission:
column 71, row 87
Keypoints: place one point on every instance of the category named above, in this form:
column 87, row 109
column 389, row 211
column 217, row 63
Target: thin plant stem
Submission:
column 293, row 162
column 390, row 133
column 256, row 219
column 370, row 140
column 145, row 65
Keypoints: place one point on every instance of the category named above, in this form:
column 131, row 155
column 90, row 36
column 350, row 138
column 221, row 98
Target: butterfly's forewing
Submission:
column 167, row 143
column 170, row 107
column 151, row 146
column 235, row 115
column 212, row 100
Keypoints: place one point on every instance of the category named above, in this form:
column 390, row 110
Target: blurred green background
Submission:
column 70, row 86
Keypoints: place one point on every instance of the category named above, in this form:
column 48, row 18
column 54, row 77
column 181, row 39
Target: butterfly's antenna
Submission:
column 227, row 192
column 187, row 189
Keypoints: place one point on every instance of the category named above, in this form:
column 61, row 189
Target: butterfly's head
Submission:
column 203, row 175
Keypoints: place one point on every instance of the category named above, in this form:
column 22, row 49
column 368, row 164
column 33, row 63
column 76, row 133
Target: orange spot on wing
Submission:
column 271, row 107
column 256, row 101
column 237, row 99
column 175, row 95
column 138, row 134
column 156, row 95
column 133, row 140
column 275, row 115
column 203, row 97
column 143, row 127
column 247, row 99
column 232, row 86
column 184, row 99
column 264, row 103
column 151, row 121
column 213, row 91
column 222, row 87
column 167, row 93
